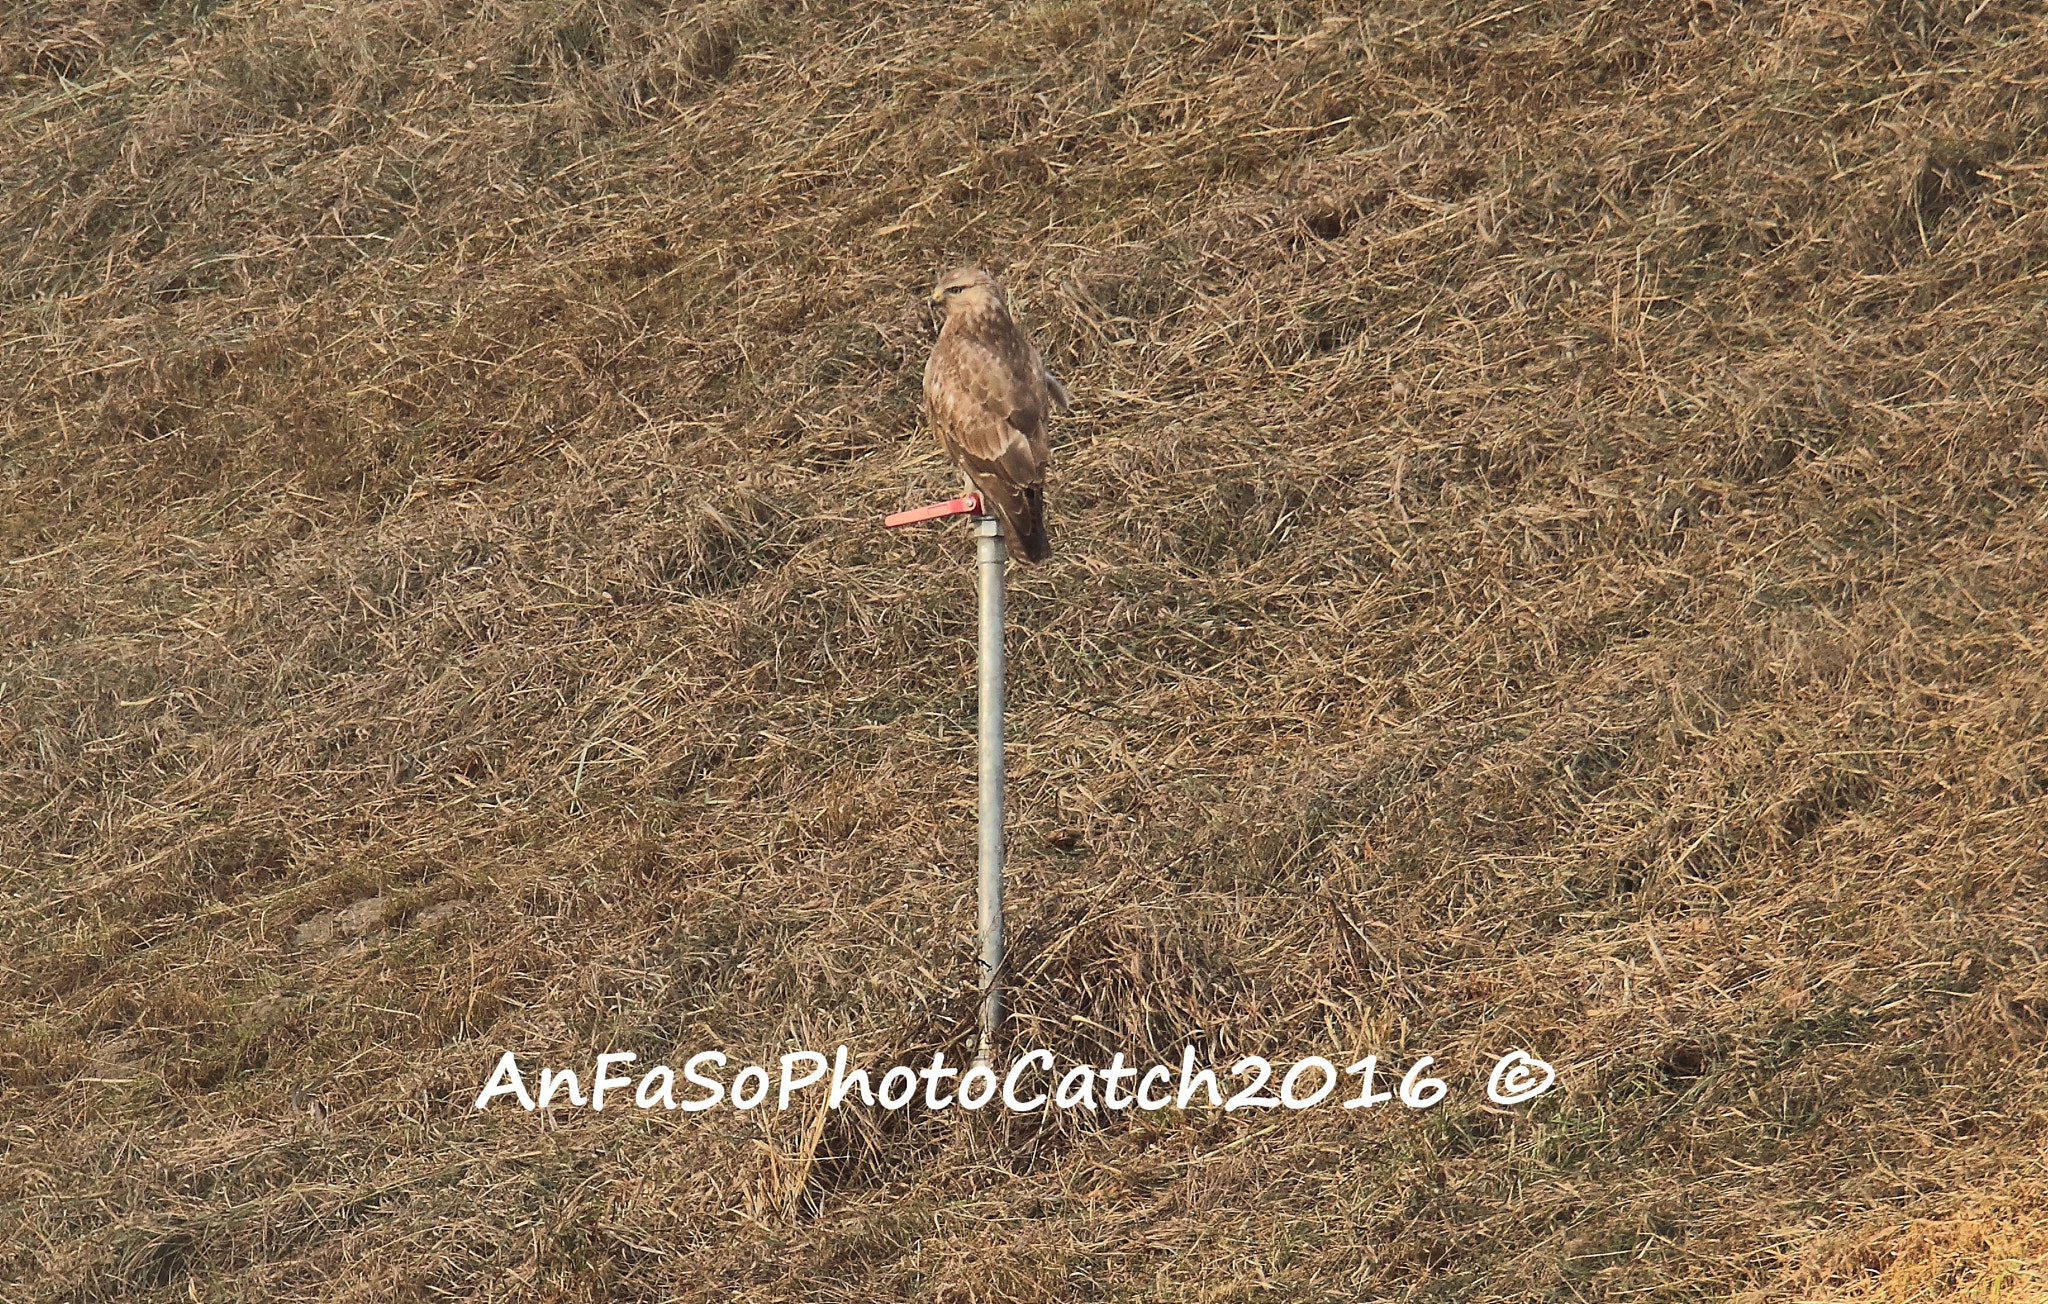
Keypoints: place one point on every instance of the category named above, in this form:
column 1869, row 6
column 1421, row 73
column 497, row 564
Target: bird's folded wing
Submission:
column 979, row 406
column 1057, row 392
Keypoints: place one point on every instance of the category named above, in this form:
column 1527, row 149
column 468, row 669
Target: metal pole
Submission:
column 989, row 534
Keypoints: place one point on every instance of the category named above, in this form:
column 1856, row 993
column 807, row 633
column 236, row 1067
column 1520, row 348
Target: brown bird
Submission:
column 987, row 394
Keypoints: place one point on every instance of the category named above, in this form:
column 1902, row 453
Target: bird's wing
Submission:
column 986, row 402
column 1056, row 391
column 986, row 408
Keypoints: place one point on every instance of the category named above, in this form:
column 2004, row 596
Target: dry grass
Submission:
column 1551, row 551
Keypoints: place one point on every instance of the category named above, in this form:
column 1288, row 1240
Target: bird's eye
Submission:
column 955, row 289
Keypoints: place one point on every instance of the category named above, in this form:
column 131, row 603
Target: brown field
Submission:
column 1551, row 551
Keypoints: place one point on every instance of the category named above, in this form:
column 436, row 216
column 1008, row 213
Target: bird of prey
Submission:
column 987, row 394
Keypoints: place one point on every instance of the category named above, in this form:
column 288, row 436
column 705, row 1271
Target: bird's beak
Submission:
column 938, row 299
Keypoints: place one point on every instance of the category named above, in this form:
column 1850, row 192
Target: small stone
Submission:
column 434, row 914
column 348, row 921
column 317, row 931
column 363, row 915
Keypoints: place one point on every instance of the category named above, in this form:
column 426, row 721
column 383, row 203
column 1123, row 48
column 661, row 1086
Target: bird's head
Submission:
column 967, row 290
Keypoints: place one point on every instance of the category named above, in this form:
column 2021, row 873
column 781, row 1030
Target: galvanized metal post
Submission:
column 989, row 534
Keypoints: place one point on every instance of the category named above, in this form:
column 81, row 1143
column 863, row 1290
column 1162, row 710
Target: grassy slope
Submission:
column 1551, row 552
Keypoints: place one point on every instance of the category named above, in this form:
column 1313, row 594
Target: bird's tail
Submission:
column 1024, row 522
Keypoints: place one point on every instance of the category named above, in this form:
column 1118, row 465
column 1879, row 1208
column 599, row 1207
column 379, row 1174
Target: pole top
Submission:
column 965, row 505
column 988, row 527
